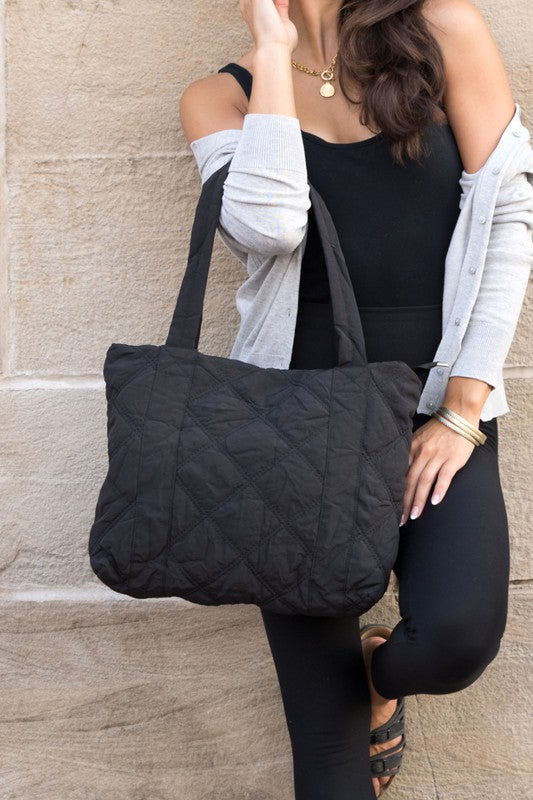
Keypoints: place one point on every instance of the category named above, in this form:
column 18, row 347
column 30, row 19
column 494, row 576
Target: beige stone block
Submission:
column 104, row 77
column 139, row 699
column 54, row 451
column 110, row 697
column 99, row 249
column 514, row 446
column 510, row 24
column 521, row 351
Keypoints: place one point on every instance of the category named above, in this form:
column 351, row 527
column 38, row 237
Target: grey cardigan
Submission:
column 263, row 222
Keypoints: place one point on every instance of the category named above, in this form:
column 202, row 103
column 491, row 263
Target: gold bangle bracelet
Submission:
column 454, row 427
column 474, row 433
column 461, row 422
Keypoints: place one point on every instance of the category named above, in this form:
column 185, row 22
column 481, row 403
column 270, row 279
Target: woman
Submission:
column 379, row 150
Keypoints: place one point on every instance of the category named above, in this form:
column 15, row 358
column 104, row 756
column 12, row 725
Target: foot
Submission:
column 382, row 708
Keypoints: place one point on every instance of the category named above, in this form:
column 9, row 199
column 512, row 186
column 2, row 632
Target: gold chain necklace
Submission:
column 327, row 89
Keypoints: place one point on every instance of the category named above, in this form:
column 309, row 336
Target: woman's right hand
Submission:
column 269, row 23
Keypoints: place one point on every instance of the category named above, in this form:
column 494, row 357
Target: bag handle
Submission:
column 187, row 318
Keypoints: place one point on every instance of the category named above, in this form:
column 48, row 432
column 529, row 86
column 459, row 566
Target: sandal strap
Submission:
column 387, row 762
column 392, row 728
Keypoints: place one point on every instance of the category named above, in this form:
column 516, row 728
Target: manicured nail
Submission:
column 414, row 512
column 435, row 499
column 402, row 521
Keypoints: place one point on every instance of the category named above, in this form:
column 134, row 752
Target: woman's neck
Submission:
column 316, row 23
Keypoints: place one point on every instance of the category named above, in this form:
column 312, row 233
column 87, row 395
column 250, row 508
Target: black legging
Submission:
column 453, row 578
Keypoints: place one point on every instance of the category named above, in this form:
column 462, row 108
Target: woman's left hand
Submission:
column 437, row 452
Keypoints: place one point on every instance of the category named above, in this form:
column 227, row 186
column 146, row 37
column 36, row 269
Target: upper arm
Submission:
column 208, row 105
column 478, row 98
column 266, row 192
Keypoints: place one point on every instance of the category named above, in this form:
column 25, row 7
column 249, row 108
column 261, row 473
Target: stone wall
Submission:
column 106, row 697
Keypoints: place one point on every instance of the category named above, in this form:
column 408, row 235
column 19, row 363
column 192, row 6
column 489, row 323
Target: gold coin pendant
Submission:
column 327, row 89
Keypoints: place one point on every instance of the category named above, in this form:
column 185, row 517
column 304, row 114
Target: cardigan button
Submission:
column 481, row 218
column 457, row 320
column 516, row 133
column 440, row 370
column 472, row 270
column 496, row 170
column 431, row 404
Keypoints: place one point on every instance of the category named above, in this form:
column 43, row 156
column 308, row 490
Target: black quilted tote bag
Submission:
column 232, row 483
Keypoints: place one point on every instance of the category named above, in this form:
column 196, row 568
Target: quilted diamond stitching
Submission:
column 110, row 524
column 235, row 548
column 185, row 533
column 251, row 482
column 127, row 419
column 171, row 543
column 294, row 447
column 384, row 481
column 139, row 462
column 370, row 458
column 154, row 362
column 171, row 516
column 231, row 384
column 379, row 451
column 359, row 466
column 117, row 391
column 242, row 556
column 219, row 383
column 319, row 525
column 112, row 450
column 283, row 522
column 383, row 398
column 232, row 381
column 306, row 386
column 365, row 536
column 135, row 430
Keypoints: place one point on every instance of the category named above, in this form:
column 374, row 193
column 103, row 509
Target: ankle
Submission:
column 369, row 645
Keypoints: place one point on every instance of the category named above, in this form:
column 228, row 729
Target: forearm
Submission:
column 272, row 86
column 266, row 194
column 494, row 317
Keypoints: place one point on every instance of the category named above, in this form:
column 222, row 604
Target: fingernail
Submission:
column 402, row 521
column 414, row 512
column 435, row 499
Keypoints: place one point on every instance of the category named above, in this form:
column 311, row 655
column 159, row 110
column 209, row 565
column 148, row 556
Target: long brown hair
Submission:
column 387, row 51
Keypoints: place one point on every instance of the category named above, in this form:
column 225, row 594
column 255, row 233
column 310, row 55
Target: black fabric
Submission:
column 231, row 483
column 453, row 561
column 453, row 576
column 394, row 224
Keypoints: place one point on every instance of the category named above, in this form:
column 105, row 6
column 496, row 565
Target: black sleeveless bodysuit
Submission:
column 394, row 225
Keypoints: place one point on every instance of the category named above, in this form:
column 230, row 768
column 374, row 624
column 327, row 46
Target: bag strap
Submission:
column 188, row 313
column 187, row 318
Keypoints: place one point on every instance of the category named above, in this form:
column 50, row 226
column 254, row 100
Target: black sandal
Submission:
column 386, row 763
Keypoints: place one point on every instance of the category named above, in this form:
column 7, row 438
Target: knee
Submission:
column 459, row 655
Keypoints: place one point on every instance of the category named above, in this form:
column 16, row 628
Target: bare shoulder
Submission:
column 478, row 97
column 212, row 103
column 451, row 18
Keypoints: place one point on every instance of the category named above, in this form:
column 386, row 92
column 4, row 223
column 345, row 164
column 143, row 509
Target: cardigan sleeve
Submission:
column 211, row 152
column 266, row 193
column 492, row 325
